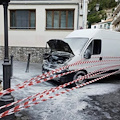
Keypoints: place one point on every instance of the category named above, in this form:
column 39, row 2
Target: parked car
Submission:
column 87, row 45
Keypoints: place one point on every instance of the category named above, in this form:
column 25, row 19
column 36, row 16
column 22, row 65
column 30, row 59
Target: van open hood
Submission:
column 59, row 45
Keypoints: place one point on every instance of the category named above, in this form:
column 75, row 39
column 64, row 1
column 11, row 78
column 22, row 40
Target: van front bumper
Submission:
column 61, row 79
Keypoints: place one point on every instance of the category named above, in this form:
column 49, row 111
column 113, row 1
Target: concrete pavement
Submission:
column 97, row 101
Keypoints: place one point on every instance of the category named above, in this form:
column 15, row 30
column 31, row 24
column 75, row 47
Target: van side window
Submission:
column 95, row 47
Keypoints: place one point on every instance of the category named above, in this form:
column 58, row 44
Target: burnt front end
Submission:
column 55, row 60
column 60, row 54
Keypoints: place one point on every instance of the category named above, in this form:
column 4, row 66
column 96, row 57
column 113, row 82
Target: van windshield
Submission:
column 76, row 44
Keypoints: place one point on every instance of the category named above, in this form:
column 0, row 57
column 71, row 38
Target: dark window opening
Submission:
column 22, row 19
column 60, row 19
column 95, row 47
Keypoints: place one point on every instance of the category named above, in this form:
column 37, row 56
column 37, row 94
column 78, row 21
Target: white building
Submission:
column 116, row 20
column 109, row 13
column 104, row 24
column 33, row 22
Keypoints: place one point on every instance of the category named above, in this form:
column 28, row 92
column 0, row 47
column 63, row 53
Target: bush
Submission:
column 93, row 16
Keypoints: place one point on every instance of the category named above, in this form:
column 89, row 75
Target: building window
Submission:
column 94, row 27
column 101, row 26
column 60, row 19
column 108, row 27
column 104, row 26
column 22, row 19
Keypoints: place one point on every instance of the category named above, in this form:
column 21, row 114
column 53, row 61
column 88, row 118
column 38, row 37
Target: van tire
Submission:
column 78, row 75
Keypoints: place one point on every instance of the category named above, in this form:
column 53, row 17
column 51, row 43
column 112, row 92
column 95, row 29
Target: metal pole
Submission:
column 11, row 65
column 8, row 98
column 6, row 57
column 6, row 65
column 28, row 63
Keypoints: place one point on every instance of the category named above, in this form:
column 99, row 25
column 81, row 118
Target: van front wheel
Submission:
column 79, row 75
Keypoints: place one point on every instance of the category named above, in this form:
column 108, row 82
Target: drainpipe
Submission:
column 84, row 15
column 78, row 16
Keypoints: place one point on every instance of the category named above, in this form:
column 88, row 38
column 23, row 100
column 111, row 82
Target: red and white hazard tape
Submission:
column 59, row 87
column 108, row 57
column 17, row 108
column 66, row 84
column 38, row 80
column 46, row 91
column 64, row 67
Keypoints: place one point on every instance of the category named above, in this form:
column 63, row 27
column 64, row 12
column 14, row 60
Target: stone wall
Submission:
column 21, row 53
column 1, row 52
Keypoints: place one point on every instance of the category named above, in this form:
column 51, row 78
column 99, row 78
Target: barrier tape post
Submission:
column 12, row 65
column 28, row 63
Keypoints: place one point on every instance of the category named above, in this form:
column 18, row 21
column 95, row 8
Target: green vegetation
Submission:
column 96, row 16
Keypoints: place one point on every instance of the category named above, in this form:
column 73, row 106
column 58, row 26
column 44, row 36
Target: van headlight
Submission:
column 63, row 71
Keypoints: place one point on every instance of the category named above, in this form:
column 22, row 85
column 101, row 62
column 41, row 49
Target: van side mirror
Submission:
column 87, row 54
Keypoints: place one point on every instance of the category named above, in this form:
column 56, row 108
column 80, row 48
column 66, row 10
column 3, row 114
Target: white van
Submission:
column 86, row 45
